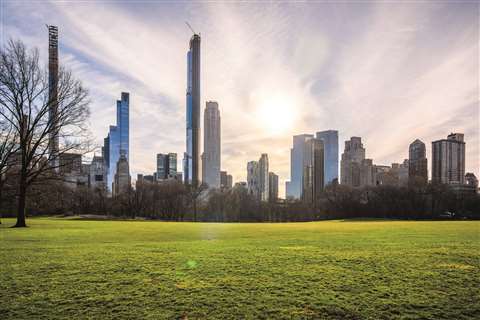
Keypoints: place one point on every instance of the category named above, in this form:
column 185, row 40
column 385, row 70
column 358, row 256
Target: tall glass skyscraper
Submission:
column 297, row 165
column 191, row 157
column 330, row 141
column 117, row 141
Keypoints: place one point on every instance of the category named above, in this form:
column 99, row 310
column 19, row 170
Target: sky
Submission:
column 389, row 72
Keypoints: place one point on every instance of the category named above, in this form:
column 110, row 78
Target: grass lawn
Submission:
column 71, row 269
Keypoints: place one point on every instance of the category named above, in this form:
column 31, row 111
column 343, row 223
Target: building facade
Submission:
column 73, row 172
column 263, row 177
column 211, row 160
column 117, row 141
column 191, row 159
column 330, row 142
column 272, row 187
column 166, row 166
column 53, row 142
column 355, row 170
column 448, row 160
column 122, row 182
column 313, row 170
column 417, row 163
column 395, row 175
column 258, row 179
column 97, row 175
column 226, row 180
column 297, row 164
column 253, row 184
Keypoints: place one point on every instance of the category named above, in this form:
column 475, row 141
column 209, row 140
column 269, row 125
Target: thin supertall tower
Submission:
column 53, row 142
column 211, row 145
column 191, row 157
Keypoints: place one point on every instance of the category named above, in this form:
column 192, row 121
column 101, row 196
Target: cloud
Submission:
column 388, row 72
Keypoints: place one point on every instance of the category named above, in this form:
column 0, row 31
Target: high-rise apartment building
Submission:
column 313, row 170
column 263, row 177
column 226, row 180
column 166, row 166
column 330, row 142
column 191, row 160
column 211, row 145
column 253, row 185
column 272, row 186
column 448, row 160
column 355, row 170
column 395, row 175
column 257, row 178
column 417, row 163
column 97, row 175
column 172, row 166
column 117, row 141
column 297, row 164
column 53, row 142
column 122, row 181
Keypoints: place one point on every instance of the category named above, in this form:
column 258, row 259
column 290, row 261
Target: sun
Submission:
column 276, row 114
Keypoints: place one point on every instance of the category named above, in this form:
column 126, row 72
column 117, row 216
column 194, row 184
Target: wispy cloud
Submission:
column 388, row 72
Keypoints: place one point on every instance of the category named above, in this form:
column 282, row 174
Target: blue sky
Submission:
column 389, row 72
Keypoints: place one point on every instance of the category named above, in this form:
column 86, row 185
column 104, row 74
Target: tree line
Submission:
column 174, row 201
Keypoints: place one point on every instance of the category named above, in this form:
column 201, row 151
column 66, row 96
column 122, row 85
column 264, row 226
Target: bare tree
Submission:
column 7, row 151
column 25, row 104
column 193, row 193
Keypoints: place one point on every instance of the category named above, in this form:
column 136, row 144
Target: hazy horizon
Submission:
column 387, row 72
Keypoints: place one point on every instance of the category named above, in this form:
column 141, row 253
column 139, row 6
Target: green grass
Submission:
column 72, row 269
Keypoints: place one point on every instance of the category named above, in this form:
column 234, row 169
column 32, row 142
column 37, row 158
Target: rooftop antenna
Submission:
column 188, row 24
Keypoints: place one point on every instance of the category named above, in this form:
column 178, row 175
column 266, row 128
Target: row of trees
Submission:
column 173, row 201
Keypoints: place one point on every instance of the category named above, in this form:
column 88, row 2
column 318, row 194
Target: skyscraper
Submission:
column 355, row 170
column 330, row 142
column 417, row 163
column 162, row 166
column 297, row 164
column 122, row 175
column 313, row 170
column 263, row 177
column 448, row 160
column 166, row 166
column 172, row 166
column 272, row 186
column 192, row 155
column 211, row 145
column 253, row 185
column 97, row 177
column 53, row 143
column 226, row 180
column 257, row 178
column 117, row 141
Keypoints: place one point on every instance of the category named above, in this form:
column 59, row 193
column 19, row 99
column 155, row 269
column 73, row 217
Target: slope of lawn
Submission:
column 75, row 269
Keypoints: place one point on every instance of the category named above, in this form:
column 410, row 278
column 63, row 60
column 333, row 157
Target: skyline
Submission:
column 340, row 89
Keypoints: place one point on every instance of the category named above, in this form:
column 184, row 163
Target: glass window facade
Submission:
column 117, row 141
column 192, row 154
column 330, row 142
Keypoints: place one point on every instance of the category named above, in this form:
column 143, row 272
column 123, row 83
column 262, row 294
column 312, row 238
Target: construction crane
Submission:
column 188, row 24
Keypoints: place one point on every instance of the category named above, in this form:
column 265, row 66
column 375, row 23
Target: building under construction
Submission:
column 53, row 143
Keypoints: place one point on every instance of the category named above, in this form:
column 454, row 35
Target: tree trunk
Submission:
column 195, row 210
column 1, row 186
column 22, row 197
